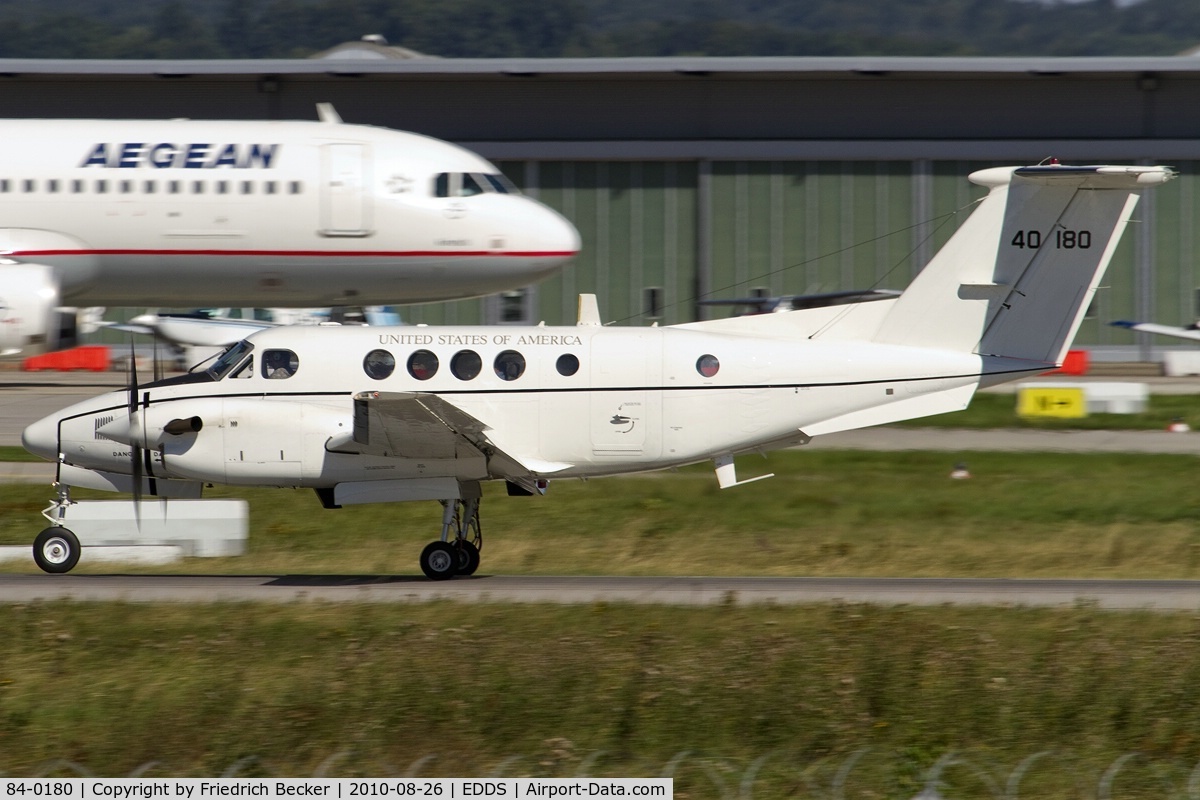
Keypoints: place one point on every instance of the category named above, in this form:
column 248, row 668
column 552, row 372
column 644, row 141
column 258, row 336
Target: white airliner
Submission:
column 368, row 415
column 181, row 212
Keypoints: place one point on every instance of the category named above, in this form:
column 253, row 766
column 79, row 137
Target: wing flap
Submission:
column 419, row 425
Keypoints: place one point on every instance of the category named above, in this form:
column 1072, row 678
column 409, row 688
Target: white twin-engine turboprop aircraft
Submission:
column 197, row 213
column 369, row 415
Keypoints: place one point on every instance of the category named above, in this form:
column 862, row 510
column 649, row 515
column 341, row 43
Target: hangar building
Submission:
column 694, row 178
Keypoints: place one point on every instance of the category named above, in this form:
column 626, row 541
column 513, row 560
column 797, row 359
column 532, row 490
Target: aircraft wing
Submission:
column 421, row 425
column 1162, row 330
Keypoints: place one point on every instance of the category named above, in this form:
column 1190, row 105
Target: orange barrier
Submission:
column 1076, row 363
column 93, row 358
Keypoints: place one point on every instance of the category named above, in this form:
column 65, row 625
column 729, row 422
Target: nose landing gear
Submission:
column 56, row 549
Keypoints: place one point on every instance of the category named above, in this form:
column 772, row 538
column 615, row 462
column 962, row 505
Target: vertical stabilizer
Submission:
column 1016, row 279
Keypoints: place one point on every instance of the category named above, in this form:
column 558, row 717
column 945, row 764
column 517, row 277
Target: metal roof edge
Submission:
column 870, row 66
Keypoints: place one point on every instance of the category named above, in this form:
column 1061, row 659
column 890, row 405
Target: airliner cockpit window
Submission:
column 502, row 184
column 441, row 185
column 277, row 364
column 470, row 186
column 232, row 357
column 466, row 184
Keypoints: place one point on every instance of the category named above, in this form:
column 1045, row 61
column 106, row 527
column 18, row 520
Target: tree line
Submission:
column 69, row 29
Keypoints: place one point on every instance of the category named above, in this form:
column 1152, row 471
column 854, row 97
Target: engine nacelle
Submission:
column 30, row 319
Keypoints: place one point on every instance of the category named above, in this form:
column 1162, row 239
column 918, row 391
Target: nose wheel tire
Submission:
column 440, row 561
column 56, row 550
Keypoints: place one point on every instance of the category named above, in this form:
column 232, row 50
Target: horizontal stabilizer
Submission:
column 924, row 405
column 1094, row 177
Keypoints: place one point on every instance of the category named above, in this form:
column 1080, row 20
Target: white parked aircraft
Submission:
column 1190, row 332
column 199, row 335
column 173, row 212
column 218, row 327
column 366, row 415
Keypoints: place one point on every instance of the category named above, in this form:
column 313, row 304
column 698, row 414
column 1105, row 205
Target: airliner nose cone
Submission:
column 41, row 438
column 559, row 236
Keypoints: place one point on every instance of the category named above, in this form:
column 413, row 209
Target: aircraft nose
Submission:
column 559, row 237
column 41, row 438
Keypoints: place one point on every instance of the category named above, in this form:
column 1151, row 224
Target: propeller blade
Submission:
column 133, row 381
column 135, row 447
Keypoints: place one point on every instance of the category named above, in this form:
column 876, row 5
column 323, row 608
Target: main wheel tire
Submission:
column 439, row 561
column 56, row 550
column 468, row 557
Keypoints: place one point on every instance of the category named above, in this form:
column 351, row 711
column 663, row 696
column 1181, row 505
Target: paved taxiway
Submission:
column 1107, row 594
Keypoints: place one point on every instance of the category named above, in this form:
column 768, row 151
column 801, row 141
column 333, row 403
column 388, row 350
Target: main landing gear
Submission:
column 56, row 549
column 444, row 559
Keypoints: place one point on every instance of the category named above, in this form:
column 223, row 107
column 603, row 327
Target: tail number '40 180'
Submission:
column 1063, row 239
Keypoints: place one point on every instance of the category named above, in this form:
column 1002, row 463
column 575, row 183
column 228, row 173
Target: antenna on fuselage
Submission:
column 588, row 313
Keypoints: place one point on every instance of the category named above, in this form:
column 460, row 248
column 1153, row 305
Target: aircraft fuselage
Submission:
column 140, row 212
column 564, row 402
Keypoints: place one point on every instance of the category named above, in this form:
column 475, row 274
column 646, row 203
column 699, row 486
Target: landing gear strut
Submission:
column 56, row 549
column 447, row 557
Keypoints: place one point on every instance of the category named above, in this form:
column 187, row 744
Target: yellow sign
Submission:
column 1051, row 402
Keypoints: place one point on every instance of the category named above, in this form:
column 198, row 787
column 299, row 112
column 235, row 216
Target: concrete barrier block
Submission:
column 1178, row 363
column 202, row 528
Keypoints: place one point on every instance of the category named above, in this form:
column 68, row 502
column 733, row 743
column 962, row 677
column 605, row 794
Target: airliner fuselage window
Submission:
column 278, row 364
column 379, row 364
column 422, row 365
column 466, row 364
column 509, row 365
column 567, row 364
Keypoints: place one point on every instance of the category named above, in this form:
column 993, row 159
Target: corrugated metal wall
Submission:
column 722, row 229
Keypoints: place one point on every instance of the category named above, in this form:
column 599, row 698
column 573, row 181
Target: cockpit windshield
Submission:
column 502, row 184
column 232, row 357
column 467, row 184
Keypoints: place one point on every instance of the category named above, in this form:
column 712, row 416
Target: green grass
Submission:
column 825, row 513
column 18, row 454
column 780, row 699
column 466, row 690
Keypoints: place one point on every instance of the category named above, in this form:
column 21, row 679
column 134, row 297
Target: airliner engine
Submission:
column 31, row 320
